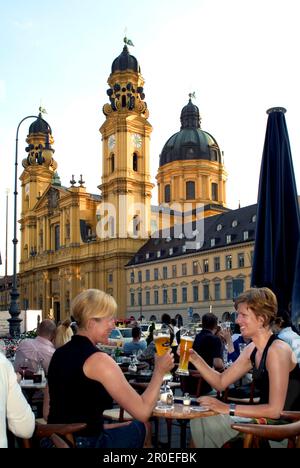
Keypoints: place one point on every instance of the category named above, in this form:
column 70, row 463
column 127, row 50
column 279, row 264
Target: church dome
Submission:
column 125, row 61
column 191, row 142
column 39, row 126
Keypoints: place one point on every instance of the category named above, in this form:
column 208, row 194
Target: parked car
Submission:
column 119, row 336
column 145, row 328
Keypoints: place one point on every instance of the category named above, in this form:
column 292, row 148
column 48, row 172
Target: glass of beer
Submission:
column 162, row 340
column 187, row 336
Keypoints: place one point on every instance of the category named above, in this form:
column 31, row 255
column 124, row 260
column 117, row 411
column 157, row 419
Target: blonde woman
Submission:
column 275, row 372
column 63, row 333
column 83, row 381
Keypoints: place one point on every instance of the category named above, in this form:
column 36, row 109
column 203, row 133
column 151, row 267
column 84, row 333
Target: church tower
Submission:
column 191, row 169
column 126, row 185
column 39, row 173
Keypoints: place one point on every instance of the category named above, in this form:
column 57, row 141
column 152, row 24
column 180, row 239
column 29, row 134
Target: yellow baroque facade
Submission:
column 72, row 240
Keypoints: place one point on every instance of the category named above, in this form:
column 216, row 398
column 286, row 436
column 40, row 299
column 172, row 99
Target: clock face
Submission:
column 137, row 140
column 111, row 142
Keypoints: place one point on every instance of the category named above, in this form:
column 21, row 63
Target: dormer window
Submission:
column 212, row 242
column 253, row 219
column 219, row 227
column 246, row 235
column 228, row 239
column 158, row 254
column 234, row 223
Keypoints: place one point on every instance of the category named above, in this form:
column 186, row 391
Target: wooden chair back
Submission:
column 257, row 432
column 47, row 430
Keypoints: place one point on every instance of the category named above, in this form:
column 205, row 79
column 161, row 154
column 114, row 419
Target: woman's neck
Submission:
column 86, row 334
column 261, row 338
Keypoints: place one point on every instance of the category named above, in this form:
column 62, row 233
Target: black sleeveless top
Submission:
column 74, row 397
column 261, row 380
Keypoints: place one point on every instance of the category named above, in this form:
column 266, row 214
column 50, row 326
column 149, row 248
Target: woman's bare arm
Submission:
column 278, row 365
column 220, row 381
column 103, row 368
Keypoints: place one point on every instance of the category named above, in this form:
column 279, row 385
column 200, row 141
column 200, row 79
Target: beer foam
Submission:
column 187, row 338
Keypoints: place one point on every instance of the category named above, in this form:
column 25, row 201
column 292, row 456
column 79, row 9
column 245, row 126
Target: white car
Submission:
column 119, row 336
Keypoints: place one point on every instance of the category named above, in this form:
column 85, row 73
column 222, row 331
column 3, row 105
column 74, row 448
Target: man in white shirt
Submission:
column 13, row 406
column 39, row 349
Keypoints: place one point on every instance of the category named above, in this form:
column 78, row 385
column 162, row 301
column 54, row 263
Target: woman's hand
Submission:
column 214, row 404
column 194, row 358
column 165, row 363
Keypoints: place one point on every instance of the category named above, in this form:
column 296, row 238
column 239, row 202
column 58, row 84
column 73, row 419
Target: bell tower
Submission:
column 126, row 182
column 39, row 171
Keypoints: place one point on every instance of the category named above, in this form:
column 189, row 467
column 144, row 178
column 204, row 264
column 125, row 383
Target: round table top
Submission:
column 134, row 382
column 181, row 411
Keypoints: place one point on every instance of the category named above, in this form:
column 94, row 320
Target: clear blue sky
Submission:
column 240, row 58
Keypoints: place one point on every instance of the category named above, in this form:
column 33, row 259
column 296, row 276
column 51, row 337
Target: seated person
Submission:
column 209, row 346
column 136, row 345
column 63, row 333
column 83, row 380
column 39, row 349
column 275, row 372
column 284, row 329
column 15, row 412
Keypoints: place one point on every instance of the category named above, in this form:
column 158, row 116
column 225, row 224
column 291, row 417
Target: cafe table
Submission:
column 30, row 389
column 183, row 414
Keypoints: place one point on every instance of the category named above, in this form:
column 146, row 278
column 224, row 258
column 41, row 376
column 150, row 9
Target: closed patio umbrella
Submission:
column 275, row 263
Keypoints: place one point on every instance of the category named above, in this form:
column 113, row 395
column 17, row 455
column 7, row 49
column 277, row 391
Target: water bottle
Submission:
column 41, row 371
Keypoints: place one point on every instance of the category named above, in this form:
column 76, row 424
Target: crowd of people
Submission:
column 74, row 365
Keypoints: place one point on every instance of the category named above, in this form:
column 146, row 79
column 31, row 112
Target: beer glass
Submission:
column 187, row 336
column 162, row 340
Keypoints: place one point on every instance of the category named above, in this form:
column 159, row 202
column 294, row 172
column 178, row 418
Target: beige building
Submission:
column 72, row 240
column 186, row 277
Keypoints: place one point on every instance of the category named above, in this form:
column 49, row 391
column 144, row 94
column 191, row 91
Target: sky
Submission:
column 240, row 58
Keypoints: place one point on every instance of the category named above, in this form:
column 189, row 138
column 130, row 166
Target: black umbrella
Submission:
column 278, row 222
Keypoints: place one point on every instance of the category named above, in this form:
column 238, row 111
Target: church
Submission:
column 186, row 256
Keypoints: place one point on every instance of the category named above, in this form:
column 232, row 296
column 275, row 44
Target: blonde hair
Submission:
column 63, row 333
column 92, row 303
column 262, row 301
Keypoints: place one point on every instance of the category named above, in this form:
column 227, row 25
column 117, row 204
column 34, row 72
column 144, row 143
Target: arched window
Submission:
column 135, row 162
column 190, row 190
column 112, row 163
column 136, row 225
column 57, row 237
column 214, row 191
column 112, row 226
column 167, row 193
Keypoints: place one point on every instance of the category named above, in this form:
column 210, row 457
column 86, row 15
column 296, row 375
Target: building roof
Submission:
column 125, row 61
column 190, row 143
column 39, row 126
column 204, row 235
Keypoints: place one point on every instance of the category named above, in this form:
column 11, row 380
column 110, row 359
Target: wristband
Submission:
column 232, row 409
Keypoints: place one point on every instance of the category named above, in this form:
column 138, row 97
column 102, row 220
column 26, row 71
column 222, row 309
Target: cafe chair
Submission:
column 117, row 414
column 47, row 430
column 58, row 442
column 246, row 394
column 257, row 433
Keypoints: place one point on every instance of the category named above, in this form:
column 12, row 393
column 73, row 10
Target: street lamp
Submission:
column 14, row 321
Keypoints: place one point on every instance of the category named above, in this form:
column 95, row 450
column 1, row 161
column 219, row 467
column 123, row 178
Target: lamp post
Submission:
column 14, row 321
